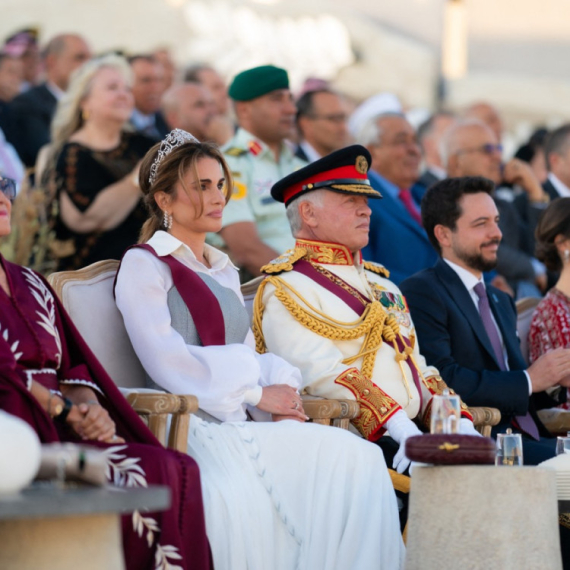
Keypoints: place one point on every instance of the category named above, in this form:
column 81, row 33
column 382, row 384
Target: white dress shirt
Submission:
column 470, row 281
column 224, row 378
column 560, row 187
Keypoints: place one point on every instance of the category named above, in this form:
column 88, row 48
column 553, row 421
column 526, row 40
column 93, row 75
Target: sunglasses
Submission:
column 8, row 188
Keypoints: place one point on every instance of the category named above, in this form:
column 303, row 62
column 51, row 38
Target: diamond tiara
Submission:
column 174, row 139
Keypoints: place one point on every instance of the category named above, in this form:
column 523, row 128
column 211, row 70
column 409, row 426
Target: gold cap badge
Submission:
column 361, row 164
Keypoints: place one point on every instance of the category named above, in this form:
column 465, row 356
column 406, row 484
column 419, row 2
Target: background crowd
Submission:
column 75, row 151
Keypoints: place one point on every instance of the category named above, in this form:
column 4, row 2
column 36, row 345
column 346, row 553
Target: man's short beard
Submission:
column 476, row 260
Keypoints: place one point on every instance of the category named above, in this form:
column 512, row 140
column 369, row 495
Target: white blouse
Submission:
column 224, row 378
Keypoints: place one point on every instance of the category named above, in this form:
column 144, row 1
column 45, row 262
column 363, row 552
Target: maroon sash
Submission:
column 203, row 305
column 307, row 269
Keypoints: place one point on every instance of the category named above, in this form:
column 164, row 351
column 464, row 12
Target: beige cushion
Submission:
column 92, row 307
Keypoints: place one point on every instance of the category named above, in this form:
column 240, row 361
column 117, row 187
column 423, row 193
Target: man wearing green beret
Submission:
column 255, row 227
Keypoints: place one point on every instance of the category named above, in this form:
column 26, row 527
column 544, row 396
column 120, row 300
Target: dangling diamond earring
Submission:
column 167, row 220
column 566, row 255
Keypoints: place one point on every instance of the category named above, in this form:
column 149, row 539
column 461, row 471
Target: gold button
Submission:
column 366, row 392
column 349, row 377
column 383, row 410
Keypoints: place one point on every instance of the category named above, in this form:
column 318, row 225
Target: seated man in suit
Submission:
column 33, row 110
column 468, row 330
column 322, row 122
column 470, row 148
column 189, row 106
column 340, row 319
column 148, row 89
column 397, row 239
column 430, row 134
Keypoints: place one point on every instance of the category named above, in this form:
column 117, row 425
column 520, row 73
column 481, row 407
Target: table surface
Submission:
column 48, row 500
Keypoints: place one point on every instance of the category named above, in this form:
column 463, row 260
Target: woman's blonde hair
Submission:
column 171, row 170
column 68, row 117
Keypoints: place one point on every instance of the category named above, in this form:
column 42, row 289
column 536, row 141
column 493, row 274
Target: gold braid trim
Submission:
column 369, row 325
column 376, row 268
column 376, row 407
column 436, row 386
column 258, row 309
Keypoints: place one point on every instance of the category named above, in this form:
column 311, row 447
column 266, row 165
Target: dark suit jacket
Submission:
column 397, row 241
column 32, row 114
column 517, row 246
column 300, row 153
column 452, row 338
column 530, row 213
column 158, row 131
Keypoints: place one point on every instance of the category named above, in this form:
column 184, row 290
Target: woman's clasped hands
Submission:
column 91, row 421
column 283, row 403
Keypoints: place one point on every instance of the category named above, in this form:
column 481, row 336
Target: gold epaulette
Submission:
column 376, row 268
column 284, row 262
column 235, row 151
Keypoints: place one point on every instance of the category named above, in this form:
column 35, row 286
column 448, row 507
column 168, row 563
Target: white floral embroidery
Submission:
column 13, row 346
column 45, row 300
column 163, row 553
column 124, row 471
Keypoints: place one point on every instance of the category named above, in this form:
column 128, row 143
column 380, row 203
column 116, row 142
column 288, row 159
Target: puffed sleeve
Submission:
column 224, row 378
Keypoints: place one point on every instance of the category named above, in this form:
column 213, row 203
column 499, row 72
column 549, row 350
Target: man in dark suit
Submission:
column 397, row 238
column 322, row 122
column 34, row 109
column 430, row 134
column 470, row 148
column 467, row 329
column 557, row 184
column 148, row 89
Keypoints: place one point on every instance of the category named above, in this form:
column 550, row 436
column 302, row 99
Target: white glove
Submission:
column 466, row 427
column 400, row 428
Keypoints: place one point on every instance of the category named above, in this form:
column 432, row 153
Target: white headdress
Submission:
column 174, row 139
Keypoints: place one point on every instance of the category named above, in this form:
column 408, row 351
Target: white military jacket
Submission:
column 340, row 354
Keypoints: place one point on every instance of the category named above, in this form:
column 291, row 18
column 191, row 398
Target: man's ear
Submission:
column 307, row 214
column 453, row 166
column 442, row 235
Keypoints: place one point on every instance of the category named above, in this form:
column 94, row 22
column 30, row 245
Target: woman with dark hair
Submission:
column 50, row 379
column 550, row 326
column 283, row 495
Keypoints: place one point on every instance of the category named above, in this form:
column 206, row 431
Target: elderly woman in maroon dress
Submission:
column 50, row 379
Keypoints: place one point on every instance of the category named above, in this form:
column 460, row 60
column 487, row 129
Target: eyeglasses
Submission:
column 488, row 149
column 8, row 188
column 337, row 119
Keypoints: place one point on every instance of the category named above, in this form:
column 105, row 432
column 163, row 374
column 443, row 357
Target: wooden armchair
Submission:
column 339, row 412
column 87, row 295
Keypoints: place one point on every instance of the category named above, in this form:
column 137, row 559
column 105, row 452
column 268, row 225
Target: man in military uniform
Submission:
column 338, row 318
column 255, row 227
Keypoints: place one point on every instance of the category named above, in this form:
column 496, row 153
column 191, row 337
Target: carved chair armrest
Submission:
column 155, row 409
column 322, row 411
column 485, row 418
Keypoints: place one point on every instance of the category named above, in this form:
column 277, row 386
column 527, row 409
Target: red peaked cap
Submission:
column 345, row 171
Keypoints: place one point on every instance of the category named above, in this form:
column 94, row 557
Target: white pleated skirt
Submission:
column 293, row 496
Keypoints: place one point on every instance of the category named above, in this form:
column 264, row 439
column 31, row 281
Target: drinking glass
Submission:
column 563, row 444
column 509, row 449
column 445, row 413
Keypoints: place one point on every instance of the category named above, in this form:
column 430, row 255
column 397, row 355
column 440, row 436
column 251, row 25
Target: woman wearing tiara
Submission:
column 277, row 496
